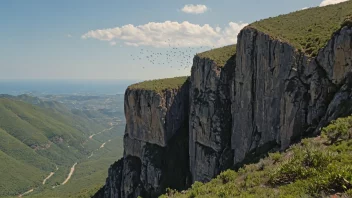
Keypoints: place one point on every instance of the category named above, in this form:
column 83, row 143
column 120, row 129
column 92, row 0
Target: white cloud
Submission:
column 112, row 43
column 329, row 2
column 217, row 29
column 69, row 35
column 304, row 8
column 168, row 34
column 194, row 9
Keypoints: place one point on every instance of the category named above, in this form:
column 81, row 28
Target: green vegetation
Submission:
column 307, row 30
column 316, row 167
column 35, row 139
column 219, row 55
column 160, row 85
column 21, row 179
column 61, row 112
column 90, row 175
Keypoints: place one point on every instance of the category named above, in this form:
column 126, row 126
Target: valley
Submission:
column 52, row 145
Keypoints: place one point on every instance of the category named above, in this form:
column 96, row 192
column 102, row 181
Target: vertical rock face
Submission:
column 155, row 145
column 269, row 99
column 336, row 60
column 155, row 118
column 210, row 118
column 279, row 94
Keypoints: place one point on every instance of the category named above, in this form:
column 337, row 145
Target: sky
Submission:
column 111, row 39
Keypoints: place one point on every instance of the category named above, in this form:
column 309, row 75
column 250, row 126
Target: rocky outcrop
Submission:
column 267, row 96
column 269, row 99
column 155, row 145
column 155, row 118
column 210, row 118
column 336, row 60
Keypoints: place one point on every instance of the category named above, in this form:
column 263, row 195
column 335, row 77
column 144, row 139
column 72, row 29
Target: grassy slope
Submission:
column 313, row 168
column 307, row 30
column 22, row 126
column 21, row 152
column 64, row 114
column 219, row 55
column 90, row 173
column 16, row 176
column 35, row 126
column 160, row 84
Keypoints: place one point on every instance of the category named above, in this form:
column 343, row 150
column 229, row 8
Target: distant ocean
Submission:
column 83, row 87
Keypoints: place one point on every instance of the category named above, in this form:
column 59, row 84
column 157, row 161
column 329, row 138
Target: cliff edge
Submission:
column 155, row 141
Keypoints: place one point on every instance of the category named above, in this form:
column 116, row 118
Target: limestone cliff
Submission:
column 280, row 95
column 155, row 144
column 210, row 118
column 265, row 96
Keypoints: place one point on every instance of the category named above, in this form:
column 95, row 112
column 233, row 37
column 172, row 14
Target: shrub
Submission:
column 334, row 179
column 276, row 157
column 227, row 176
column 306, row 162
column 192, row 195
column 338, row 130
column 347, row 22
column 170, row 191
column 348, row 193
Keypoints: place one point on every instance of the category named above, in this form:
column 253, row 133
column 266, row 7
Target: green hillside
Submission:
column 37, row 139
column 63, row 113
column 316, row 167
column 17, row 176
column 308, row 30
column 90, row 174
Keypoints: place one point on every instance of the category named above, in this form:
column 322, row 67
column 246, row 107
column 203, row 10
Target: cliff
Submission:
column 286, row 78
column 155, row 141
column 210, row 116
column 270, row 90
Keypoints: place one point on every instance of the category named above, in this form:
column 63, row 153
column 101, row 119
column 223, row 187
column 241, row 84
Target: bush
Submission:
column 347, row 22
column 334, row 179
column 306, row 162
column 276, row 157
column 340, row 129
column 170, row 192
column 227, row 176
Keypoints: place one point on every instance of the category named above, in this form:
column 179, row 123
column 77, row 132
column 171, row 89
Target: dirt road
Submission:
column 31, row 190
column 70, row 174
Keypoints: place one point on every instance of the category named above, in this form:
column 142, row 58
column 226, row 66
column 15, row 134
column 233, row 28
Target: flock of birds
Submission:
column 175, row 57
